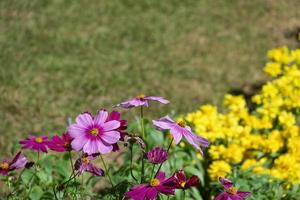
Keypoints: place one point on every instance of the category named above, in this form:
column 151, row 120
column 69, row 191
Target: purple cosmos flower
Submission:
column 157, row 155
column 150, row 191
column 61, row 144
column 18, row 162
column 141, row 100
column 231, row 193
column 115, row 115
column 181, row 129
column 94, row 134
column 182, row 182
column 35, row 143
column 84, row 165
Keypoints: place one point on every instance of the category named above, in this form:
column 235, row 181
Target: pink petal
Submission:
column 111, row 137
column 151, row 194
column 76, row 131
column 177, row 135
column 101, row 116
column 85, row 120
column 226, row 182
column 162, row 125
column 103, row 149
column 222, row 196
column 79, row 142
column 160, row 176
column 243, row 194
column 159, row 99
column 91, row 147
column 111, row 125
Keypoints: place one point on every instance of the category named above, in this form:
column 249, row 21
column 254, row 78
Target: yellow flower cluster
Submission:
column 266, row 139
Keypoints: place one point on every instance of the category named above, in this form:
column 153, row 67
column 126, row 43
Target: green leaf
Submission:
column 36, row 193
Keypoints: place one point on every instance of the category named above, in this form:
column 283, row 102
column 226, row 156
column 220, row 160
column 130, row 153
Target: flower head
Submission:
column 231, row 193
column 150, row 190
column 157, row 155
column 182, row 182
column 36, row 143
column 84, row 165
column 18, row 162
column 180, row 129
column 94, row 134
column 61, row 144
column 141, row 100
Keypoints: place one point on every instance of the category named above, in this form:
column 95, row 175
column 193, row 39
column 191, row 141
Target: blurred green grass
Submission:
column 61, row 57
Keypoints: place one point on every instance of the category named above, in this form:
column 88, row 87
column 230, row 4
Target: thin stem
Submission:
column 143, row 168
column 131, row 167
column 167, row 152
column 71, row 162
column 152, row 171
column 183, row 194
column 142, row 123
column 106, row 170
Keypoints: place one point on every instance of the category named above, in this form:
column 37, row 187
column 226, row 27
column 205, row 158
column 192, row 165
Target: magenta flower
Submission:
column 231, row 193
column 35, row 143
column 84, row 165
column 141, row 100
column 181, row 129
column 157, row 155
column 150, row 191
column 61, row 144
column 115, row 115
column 94, row 134
column 18, row 162
column 182, row 182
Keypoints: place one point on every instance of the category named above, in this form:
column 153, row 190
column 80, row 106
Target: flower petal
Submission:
column 243, row 194
column 84, row 120
column 111, row 137
column 111, row 125
column 79, row 142
column 104, row 148
column 76, row 130
column 101, row 116
column 90, row 147
column 159, row 99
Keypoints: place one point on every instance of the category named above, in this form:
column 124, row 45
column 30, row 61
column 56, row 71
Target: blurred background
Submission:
column 61, row 57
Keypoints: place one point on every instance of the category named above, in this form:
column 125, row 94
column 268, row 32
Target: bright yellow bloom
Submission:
column 219, row 168
column 273, row 69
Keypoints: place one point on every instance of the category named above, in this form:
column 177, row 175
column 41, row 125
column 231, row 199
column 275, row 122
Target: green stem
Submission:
column 152, row 171
column 142, row 123
column 131, row 167
column 71, row 162
column 106, row 170
column 167, row 153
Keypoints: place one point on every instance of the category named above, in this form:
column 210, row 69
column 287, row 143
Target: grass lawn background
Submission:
column 59, row 58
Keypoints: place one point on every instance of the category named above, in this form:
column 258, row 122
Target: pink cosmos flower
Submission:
column 84, row 165
column 181, row 129
column 157, row 155
column 94, row 134
column 35, row 143
column 151, row 190
column 182, row 182
column 231, row 193
column 18, row 162
column 61, row 144
column 141, row 100
column 115, row 115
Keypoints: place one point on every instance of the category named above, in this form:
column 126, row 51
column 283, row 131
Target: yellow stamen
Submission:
column 38, row 139
column 182, row 184
column 85, row 160
column 140, row 96
column 94, row 131
column 154, row 182
column 4, row 165
column 232, row 190
column 181, row 123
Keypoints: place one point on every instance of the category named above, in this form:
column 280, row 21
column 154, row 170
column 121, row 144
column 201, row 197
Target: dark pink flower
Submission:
column 35, row 143
column 61, row 144
column 182, row 182
column 151, row 190
column 141, row 100
column 115, row 115
column 181, row 129
column 231, row 193
column 94, row 134
column 157, row 155
column 84, row 165
column 18, row 162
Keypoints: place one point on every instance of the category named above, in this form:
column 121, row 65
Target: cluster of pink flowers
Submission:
column 96, row 135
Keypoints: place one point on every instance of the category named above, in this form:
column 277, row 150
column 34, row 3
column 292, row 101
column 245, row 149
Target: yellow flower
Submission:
column 273, row 69
column 219, row 168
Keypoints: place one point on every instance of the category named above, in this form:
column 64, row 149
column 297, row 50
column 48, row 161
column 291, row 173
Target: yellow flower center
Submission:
column 85, row 160
column 94, row 131
column 140, row 96
column 182, row 184
column 232, row 190
column 154, row 182
column 181, row 123
column 38, row 139
column 4, row 165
